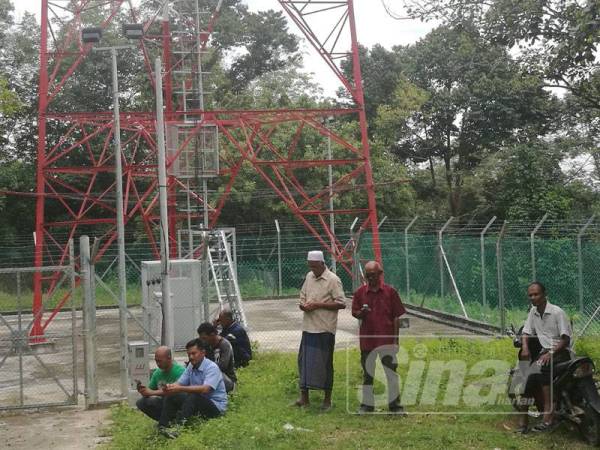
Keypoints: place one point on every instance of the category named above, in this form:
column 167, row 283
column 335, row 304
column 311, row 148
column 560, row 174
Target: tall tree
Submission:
column 524, row 181
column 381, row 70
column 462, row 99
column 557, row 39
column 18, row 102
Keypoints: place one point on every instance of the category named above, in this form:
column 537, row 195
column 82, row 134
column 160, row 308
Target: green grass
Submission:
column 259, row 410
column 255, row 288
column 10, row 302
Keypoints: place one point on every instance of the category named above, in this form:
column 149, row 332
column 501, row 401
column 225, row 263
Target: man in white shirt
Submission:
column 550, row 324
column 321, row 298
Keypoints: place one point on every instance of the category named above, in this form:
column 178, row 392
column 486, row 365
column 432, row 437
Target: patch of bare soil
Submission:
column 61, row 428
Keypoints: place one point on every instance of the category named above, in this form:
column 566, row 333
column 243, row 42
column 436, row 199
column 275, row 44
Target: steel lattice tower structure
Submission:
column 71, row 166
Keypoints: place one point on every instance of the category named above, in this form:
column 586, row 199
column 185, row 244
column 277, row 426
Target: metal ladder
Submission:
column 188, row 76
column 224, row 276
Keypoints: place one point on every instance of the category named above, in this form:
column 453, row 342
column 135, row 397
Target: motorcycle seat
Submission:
column 562, row 367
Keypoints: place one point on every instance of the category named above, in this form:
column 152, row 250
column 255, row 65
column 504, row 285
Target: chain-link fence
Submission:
column 480, row 270
column 38, row 356
column 484, row 269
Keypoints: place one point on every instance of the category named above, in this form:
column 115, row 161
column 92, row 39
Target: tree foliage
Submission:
column 461, row 99
column 461, row 123
column 556, row 39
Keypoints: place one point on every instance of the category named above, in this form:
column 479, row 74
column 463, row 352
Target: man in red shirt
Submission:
column 378, row 307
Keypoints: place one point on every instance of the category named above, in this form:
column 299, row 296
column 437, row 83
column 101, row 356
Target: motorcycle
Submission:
column 574, row 390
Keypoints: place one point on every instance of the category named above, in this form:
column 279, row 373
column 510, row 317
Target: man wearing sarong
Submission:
column 321, row 297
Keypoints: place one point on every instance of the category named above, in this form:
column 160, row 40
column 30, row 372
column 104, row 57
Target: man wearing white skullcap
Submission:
column 321, row 297
column 316, row 255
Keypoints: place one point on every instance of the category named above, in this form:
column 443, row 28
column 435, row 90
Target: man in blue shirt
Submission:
column 200, row 390
column 237, row 336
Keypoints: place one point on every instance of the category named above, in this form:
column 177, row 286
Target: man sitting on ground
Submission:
column 220, row 352
column 168, row 371
column 199, row 392
column 237, row 337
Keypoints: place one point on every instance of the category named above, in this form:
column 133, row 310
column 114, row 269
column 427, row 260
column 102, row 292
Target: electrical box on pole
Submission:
column 139, row 368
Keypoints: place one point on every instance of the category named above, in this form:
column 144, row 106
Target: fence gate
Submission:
column 37, row 371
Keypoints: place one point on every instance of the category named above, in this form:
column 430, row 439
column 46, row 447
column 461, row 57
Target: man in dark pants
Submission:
column 220, row 352
column 550, row 324
column 237, row 337
column 378, row 307
column 168, row 371
column 200, row 391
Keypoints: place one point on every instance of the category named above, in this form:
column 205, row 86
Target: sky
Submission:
column 373, row 23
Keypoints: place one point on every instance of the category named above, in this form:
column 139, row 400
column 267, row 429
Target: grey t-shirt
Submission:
column 223, row 355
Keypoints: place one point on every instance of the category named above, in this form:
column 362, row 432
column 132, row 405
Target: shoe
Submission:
column 543, row 427
column 326, row 408
column 523, row 429
column 364, row 409
column 168, row 433
column 398, row 410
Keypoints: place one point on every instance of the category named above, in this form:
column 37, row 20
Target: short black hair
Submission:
column 539, row 284
column 197, row 343
column 207, row 328
column 228, row 313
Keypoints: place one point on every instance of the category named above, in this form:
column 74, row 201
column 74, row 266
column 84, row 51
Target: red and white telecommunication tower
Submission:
column 205, row 144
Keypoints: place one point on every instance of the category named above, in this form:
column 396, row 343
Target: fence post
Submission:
column 73, row 316
column 21, row 340
column 500, row 269
column 89, row 324
column 453, row 281
column 482, row 242
column 406, row 259
column 532, row 243
column 123, row 331
column 580, row 261
column 279, row 290
column 356, row 269
column 331, row 208
column 441, row 250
